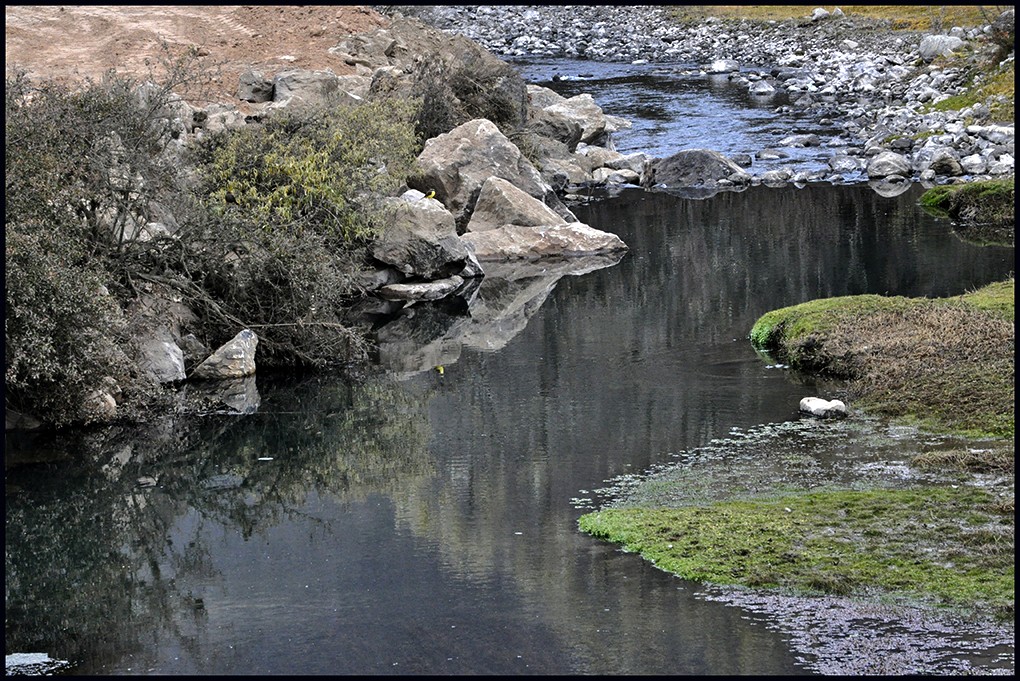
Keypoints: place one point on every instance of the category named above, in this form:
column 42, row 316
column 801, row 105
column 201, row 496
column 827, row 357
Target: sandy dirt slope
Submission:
column 76, row 41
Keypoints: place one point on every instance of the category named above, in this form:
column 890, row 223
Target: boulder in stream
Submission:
column 693, row 168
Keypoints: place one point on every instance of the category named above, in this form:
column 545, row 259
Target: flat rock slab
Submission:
column 516, row 242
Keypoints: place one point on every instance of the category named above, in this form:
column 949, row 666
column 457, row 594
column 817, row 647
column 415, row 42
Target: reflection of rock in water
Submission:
column 887, row 188
column 238, row 395
column 425, row 336
column 421, row 337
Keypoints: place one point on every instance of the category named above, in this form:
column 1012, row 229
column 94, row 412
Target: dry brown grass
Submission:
column 996, row 459
column 949, row 363
column 902, row 17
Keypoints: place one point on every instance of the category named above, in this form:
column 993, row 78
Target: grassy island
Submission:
column 944, row 365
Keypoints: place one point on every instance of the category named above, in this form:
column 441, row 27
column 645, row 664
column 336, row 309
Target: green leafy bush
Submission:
column 450, row 95
column 292, row 205
column 83, row 165
column 315, row 169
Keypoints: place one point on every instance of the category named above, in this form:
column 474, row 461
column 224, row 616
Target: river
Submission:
column 424, row 522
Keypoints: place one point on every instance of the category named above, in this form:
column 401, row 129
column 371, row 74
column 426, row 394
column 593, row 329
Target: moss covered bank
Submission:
column 945, row 365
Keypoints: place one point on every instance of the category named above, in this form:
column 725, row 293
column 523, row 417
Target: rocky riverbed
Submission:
column 876, row 84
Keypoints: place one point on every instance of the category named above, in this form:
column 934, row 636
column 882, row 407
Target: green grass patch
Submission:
column 996, row 298
column 816, row 317
column 984, row 209
column 835, row 542
column 990, row 84
column 943, row 364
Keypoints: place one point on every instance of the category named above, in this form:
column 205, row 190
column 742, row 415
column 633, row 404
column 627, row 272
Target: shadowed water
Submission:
column 425, row 522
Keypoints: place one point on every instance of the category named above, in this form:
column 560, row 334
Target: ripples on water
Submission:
column 673, row 107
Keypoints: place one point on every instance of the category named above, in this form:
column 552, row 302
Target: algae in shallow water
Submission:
column 960, row 551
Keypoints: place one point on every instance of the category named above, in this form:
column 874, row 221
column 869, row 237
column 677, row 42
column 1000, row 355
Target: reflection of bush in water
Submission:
column 78, row 561
column 89, row 557
column 321, row 435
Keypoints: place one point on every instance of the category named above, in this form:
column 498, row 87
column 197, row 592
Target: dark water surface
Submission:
column 425, row 522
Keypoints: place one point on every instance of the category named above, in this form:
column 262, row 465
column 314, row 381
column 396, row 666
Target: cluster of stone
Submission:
column 878, row 86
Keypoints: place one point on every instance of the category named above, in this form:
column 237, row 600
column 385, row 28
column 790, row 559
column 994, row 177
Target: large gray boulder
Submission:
column 500, row 203
column 975, row 164
column 515, row 242
column 610, row 176
column 582, row 110
column 456, row 164
column 367, row 49
column 252, row 86
column 555, row 125
column 161, row 357
column 233, row 359
column 693, row 168
column 216, row 118
column 600, row 157
column 634, row 162
column 540, row 97
column 941, row 160
column 888, row 163
column 933, row 46
column 157, row 346
column 300, row 85
column 420, row 239
column 562, row 171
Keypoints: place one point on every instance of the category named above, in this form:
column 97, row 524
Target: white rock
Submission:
column 816, row 406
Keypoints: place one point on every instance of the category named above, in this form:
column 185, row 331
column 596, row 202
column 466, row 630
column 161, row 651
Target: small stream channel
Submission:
column 425, row 522
column 673, row 107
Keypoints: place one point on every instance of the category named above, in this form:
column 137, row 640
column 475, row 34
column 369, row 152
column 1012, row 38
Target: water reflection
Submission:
column 429, row 336
column 422, row 522
column 100, row 543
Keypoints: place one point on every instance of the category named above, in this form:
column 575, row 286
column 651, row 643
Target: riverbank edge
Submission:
column 834, row 542
column 798, row 334
column 842, row 338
